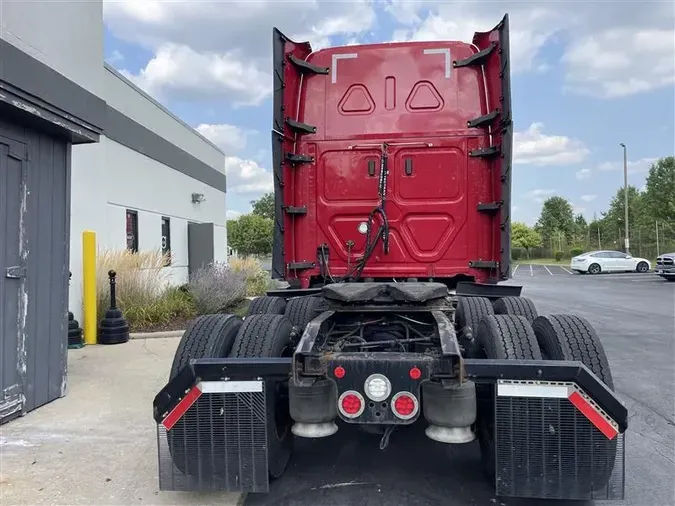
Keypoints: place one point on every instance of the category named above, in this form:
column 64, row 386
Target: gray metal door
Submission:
column 13, row 302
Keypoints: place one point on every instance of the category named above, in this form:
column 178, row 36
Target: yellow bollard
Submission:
column 89, row 286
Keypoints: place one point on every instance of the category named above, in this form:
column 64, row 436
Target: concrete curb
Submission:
column 151, row 335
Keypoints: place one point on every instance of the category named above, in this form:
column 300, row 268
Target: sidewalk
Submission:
column 98, row 444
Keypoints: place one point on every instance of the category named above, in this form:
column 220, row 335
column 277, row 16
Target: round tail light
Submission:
column 351, row 404
column 405, row 405
column 377, row 387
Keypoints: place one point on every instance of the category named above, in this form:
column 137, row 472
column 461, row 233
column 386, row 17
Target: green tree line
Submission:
column 252, row 233
column 559, row 233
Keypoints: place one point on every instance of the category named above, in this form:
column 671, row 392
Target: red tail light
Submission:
column 404, row 405
column 351, row 404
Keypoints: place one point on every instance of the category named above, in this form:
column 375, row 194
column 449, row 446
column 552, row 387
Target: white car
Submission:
column 595, row 262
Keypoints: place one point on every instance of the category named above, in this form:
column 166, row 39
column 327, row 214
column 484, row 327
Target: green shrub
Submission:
column 216, row 287
column 143, row 290
column 516, row 253
column 258, row 280
column 576, row 251
column 559, row 256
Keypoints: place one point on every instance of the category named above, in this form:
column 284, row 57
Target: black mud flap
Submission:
column 559, row 432
column 211, row 426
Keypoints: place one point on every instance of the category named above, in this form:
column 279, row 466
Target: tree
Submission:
column 525, row 237
column 659, row 195
column 580, row 235
column 557, row 217
column 264, row 206
column 613, row 220
column 250, row 234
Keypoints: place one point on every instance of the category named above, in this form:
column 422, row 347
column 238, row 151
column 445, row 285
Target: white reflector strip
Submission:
column 533, row 390
column 223, row 387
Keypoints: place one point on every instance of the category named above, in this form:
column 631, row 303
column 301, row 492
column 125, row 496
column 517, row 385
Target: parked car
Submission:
column 595, row 262
column 665, row 266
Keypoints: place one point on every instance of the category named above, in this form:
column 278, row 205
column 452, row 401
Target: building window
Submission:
column 132, row 231
column 166, row 240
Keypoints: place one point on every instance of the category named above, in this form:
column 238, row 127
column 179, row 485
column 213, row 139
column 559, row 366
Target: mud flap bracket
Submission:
column 476, row 58
column 306, row 67
column 483, row 120
column 299, row 127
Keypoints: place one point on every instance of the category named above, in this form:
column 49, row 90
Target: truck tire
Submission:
column 302, row 310
column 570, row 337
column 470, row 310
column 266, row 305
column 521, row 306
column 264, row 336
column 207, row 336
column 506, row 337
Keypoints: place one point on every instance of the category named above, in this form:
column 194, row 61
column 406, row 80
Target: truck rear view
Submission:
column 392, row 161
column 392, row 170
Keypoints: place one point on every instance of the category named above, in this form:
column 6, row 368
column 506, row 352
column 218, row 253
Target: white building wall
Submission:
column 131, row 101
column 59, row 34
column 108, row 179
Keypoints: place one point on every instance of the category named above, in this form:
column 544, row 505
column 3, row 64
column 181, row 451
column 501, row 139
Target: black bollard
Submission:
column 74, row 331
column 113, row 328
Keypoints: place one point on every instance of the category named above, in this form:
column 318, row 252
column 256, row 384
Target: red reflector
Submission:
column 339, row 372
column 415, row 373
column 182, row 407
column 593, row 416
column 351, row 404
column 404, row 405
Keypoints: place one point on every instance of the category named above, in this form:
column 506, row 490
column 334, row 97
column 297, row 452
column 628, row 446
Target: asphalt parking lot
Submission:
column 98, row 444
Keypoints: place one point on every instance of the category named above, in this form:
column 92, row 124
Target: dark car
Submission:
column 665, row 266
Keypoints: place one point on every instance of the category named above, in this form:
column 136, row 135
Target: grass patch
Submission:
column 150, row 302
column 143, row 290
column 542, row 261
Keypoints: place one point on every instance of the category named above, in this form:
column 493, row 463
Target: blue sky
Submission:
column 586, row 76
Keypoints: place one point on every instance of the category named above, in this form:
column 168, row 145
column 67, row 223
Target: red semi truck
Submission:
column 392, row 173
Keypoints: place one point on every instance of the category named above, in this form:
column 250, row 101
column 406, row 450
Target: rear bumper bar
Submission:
column 477, row 370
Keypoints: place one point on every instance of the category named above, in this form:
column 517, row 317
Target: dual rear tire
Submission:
column 221, row 336
column 268, row 330
column 555, row 337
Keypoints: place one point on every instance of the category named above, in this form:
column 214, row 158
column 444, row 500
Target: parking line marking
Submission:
column 514, row 270
column 549, row 271
column 531, row 273
column 568, row 272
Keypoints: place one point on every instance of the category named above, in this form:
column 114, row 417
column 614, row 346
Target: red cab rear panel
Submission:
column 419, row 130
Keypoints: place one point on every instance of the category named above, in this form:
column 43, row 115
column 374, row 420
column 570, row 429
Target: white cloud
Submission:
column 539, row 195
column 115, row 57
column 536, row 148
column 459, row 21
column 588, row 198
column 607, row 52
column 583, row 174
column 223, row 49
column 247, row 177
column 177, row 69
column 634, row 167
column 229, row 138
column 232, row 215
column 621, row 62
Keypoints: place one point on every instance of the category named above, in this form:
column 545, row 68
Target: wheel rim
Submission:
column 594, row 269
column 642, row 267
